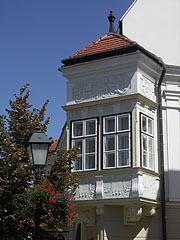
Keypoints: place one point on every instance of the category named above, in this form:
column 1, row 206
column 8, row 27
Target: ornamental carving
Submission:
column 147, row 88
column 101, row 88
column 117, row 186
column 86, row 190
column 150, row 187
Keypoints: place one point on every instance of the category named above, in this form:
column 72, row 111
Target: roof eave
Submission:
column 105, row 54
column 99, row 55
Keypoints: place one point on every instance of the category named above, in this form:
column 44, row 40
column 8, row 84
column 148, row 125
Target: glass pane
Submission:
column 123, row 123
column 39, row 153
column 90, row 161
column 145, row 163
column 144, row 142
column 150, row 130
column 151, row 161
column 150, row 144
column 90, row 145
column 77, row 129
column 109, row 160
column 78, row 163
column 110, row 124
column 123, row 141
column 77, row 143
column 109, row 143
column 91, row 127
column 144, row 124
column 123, row 158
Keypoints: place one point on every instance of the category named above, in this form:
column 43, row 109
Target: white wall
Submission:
column 155, row 24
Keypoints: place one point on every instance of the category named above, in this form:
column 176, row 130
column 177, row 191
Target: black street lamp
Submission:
column 38, row 153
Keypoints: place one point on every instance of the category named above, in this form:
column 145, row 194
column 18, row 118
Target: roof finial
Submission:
column 111, row 18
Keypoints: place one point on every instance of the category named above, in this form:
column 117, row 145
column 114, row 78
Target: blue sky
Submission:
column 36, row 35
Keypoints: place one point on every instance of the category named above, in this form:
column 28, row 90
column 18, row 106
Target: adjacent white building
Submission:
column 123, row 112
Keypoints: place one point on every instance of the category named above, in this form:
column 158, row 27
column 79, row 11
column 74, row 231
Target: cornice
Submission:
column 137, row 97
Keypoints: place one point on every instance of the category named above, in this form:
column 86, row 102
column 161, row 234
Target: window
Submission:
column 84, row 136
column 147, row 142
column 116, row 141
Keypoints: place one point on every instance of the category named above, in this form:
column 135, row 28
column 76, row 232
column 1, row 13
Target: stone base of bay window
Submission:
column 107, row 222
column 118, row 185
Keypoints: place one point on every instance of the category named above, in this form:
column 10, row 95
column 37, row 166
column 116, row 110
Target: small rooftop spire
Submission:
column 111, row 18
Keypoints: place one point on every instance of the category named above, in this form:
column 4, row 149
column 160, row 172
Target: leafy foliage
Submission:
column 55, row 209
column 16, row 173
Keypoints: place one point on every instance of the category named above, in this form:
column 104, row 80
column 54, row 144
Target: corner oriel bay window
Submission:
column 116, row 141
column 84, row 136
column 147, row 141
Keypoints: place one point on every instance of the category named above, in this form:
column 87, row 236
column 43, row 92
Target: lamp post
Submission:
column 38, row 153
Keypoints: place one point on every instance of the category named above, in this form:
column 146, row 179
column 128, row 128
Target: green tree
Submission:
column 16, row 173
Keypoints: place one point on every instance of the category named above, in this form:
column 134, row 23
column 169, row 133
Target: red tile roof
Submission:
column 110, row 41
column 53, row 144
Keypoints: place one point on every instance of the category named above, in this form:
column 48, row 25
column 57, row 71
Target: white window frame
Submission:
column 149, row 136
column 117, row 133
column 84, row 137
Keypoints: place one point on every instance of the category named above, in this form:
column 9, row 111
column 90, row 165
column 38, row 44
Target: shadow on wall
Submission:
column 149, row 228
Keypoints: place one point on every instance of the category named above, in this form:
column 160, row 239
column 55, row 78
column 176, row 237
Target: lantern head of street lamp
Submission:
column 38, row 148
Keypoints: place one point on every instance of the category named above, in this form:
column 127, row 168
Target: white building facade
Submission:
column 122, row 107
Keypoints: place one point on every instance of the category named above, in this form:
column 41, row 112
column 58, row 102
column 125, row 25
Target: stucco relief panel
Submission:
column 150, row 186
column 117, row 186
column 101, row 88
column 86, row 190
column 147, row 88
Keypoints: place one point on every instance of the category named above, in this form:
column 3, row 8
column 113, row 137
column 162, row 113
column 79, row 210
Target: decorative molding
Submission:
column 132, row 214
column 100, row 88
column 171, row 95
column 137, row 97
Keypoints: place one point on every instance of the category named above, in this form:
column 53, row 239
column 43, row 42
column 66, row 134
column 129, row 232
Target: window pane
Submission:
column 150, row 144
column 144, row 124
column 150, row 130
column 110, row 124
column 77, row 143
column 90, row 145
column 144, row 142
column 151, row 162
column 90, row 127
column 109, row 142
column 77, row 129
column 123, row 158
column 90, row 161
column 123, row 123
column 145, row 162
column 109, row 160
column 123, row 141
column 78, row 163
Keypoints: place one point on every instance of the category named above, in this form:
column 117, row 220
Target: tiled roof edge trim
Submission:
column 127, row 49
column 107, row 53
